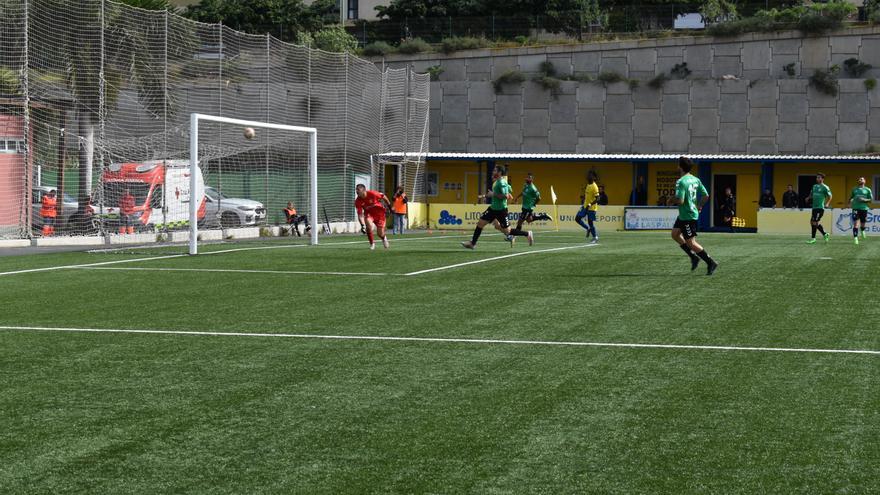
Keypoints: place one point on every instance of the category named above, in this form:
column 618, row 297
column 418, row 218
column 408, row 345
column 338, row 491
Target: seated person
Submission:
column 294, row 220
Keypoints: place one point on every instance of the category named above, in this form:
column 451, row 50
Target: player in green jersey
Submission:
column 684, row 232
column 821, row 195
column 859, row 199
column 531, row 197
column 497, row 211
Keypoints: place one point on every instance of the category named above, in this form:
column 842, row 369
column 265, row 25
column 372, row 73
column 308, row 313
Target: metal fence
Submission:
column 95, row 98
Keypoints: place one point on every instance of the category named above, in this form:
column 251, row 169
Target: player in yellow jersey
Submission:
column 590, row 207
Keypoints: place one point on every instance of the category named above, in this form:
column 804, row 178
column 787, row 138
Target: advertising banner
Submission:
column 465, row 217
column 837, row 221
column 842, row 221
column 649, row 218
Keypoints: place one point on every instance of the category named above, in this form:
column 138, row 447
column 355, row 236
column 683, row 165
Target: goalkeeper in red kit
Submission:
column 370, row 207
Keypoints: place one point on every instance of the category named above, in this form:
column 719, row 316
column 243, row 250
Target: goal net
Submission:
column 91, row 89
column 241, row 172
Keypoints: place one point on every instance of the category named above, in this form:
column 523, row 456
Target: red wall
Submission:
column 12, row 173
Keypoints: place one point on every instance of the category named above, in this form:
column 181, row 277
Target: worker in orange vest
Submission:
column 49, row 211
column 126, row 210
column 398, row 207
column 293, row 219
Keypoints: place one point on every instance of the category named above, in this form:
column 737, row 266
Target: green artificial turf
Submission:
column 147, row 413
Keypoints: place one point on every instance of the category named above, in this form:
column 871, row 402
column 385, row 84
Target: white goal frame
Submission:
column 194, row 162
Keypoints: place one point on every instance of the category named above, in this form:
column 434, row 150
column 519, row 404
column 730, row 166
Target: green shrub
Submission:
column 870, row 83
column 377, row 49
column 549, row 83
column 825, row 81
column 510, row 77
column 330, row 39
column 434, row 71
column 813, row 19
column 415, row 45
column 717, row 10
column 582, row 77
column 680, row 71
column 633, row 83
column 547, row 68
column 9, row 85
column 658, row 81
column 855, row 67
column 816, row 24
column 609, row 77
column 458, row 43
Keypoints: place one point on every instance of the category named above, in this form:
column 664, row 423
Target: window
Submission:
column 352, row 9
column 432, row 183
column 11, row 145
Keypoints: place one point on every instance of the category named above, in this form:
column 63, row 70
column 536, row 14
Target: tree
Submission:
column 284, row 18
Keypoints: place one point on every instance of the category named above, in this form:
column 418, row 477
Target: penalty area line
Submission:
column 222, row 270
column 447, row 340
column 495, row 258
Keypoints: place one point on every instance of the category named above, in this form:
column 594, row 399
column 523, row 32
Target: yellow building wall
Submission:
column 567, row 178
column 837, row 176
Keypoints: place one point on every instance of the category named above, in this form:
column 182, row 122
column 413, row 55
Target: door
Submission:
column 472, row 188
column 391, row 179
column 748, row 192
column 720, row 182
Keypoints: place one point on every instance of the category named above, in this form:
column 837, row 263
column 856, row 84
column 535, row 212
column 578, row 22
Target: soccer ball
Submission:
column 249, row 133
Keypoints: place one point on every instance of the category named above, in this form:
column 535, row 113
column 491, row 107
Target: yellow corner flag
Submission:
column 555, row 208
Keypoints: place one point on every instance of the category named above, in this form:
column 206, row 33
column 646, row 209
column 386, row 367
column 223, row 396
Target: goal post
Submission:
column 195, row 175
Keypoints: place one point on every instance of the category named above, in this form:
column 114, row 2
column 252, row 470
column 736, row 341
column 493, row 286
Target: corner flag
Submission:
column 555, row 208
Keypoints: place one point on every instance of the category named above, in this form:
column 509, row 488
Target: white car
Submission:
column 233, row 212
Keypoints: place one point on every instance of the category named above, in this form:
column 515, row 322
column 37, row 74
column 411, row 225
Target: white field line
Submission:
column 485, row 260
column 256, row 248
column 219, row 270
column 447, row 340
column 115, row 262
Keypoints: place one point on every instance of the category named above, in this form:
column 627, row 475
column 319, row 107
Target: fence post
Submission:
column 25, row 213
column 164, row 121
column 268, row 105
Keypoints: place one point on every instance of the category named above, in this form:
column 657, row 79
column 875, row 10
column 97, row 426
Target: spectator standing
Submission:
column 790, row 198
column 603, row 198
column 126, row 210
column 639, row 196
column 768, row 200
column 727, row 207
column 49, row 212
column 399, row 208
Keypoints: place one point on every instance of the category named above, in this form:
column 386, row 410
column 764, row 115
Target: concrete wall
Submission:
column 762, row 111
